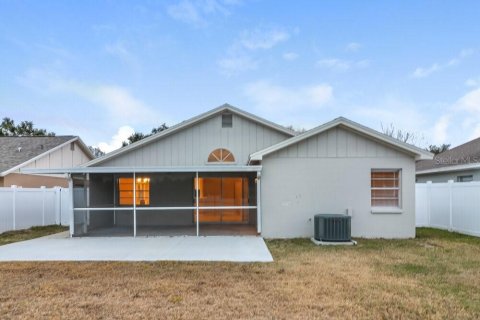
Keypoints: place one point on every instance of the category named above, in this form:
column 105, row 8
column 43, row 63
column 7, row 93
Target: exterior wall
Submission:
column 191, row 146
column 61, row 158
column 329, row 173
column 445, row 176
column 33, row 181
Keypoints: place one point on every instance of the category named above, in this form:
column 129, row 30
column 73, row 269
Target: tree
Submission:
column 137, row 136
column 297, row 131
column 402, row 135
column 24, row 128
column 97, row 152
column 438, row 149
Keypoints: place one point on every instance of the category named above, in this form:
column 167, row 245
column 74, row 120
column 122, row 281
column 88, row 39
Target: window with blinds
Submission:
column 385, row 188
column 125, row 190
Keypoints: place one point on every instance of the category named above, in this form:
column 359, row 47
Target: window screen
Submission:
column 385, row 188
column 465, row 178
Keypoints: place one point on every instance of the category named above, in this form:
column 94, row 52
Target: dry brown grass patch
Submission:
column 433, row 277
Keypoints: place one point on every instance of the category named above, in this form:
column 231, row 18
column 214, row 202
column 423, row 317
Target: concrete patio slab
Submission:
column 180, row 248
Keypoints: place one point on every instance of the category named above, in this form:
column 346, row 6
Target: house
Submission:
column 227, row 171
column 18, row 153
column 460, row 164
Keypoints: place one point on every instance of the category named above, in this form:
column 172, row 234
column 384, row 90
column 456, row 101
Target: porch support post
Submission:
column 134, row 205
column 259, row 203
column 88, row 198
column 71, row 205
column 196, row 202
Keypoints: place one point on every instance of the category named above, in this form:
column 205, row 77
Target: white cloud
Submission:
column 341, row 65
column 353, row 46
column 120, row 50
column 187, row 12
column 262, row 38
column 425, row 72
column 120, row 103
column 240, row 56
column 272, row 97
column 470, row 102
column 197, row 12
column 422, row 72
column 234, row 65
column 116, row 142
column 440, row 130
column 290, row 56
column 473, row 82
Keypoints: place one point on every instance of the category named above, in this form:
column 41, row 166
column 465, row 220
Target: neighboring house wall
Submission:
column 64, row 157
column 445, row 176
column 191, row 146
column 329, row 173
column 33, row 181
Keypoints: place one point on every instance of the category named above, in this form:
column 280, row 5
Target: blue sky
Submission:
column 100, row 69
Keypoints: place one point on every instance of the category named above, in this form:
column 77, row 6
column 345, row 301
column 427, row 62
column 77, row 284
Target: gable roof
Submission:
column 185, row 124
column 16, row 152
column 375, row 135
column 463, row 157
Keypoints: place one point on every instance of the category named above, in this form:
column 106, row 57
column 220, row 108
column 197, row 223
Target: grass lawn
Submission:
column 436, row 276
column 27, row 234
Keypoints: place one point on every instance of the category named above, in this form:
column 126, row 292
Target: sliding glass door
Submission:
column 221, row 199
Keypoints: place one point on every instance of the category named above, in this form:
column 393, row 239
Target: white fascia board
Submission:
column 186, row 124
column 216, row 168
column 85, row 148
column 419, row 153
column 461, row 167
column 21, row 165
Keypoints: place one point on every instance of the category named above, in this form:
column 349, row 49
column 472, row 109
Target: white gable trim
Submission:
column 188, row 123
column 419, row 154
column 23, row 164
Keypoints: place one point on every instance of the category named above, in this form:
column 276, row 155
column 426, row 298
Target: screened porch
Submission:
column 152, row 203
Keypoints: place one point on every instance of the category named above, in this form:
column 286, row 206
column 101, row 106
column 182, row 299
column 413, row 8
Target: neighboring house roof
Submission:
column 375, row 135
column 188, row 123
column 16, row 152
column 463, row 157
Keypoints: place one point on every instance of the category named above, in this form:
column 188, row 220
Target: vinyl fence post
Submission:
column 56, row 190
column 43, row 205
column 450, row 191
column 429, row 202
column 14, row 189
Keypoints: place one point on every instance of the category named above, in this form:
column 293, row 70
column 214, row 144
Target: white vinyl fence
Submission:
column 22, row 208
column 453, row 206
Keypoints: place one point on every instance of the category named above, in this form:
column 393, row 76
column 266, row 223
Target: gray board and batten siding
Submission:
column 191, row 146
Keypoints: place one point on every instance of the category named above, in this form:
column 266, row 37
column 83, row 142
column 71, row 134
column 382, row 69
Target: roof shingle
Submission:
column 17, row 150
column 467, row 153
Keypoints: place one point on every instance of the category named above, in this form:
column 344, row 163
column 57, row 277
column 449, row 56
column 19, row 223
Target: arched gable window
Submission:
column 221, row 155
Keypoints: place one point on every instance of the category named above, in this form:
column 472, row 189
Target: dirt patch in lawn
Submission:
column 377, row 279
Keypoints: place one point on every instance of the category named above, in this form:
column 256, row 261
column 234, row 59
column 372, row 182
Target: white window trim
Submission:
column 387, row 209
